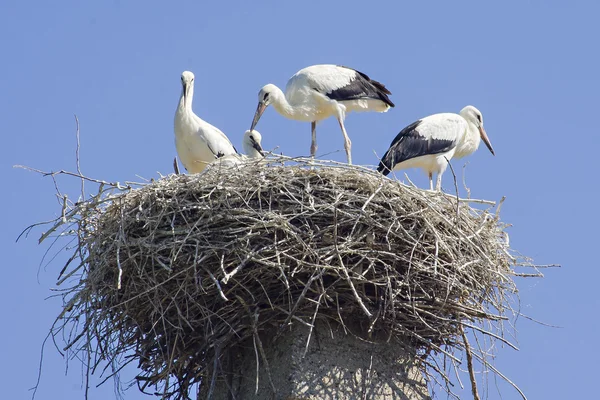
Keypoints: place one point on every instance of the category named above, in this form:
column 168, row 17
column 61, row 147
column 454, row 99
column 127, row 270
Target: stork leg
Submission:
column 438, row 184
column 431, row 181
column 347, row 142
column 313, row 144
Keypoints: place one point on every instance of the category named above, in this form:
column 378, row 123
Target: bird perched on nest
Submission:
column 252, row 147
column 252, row 144
column 431, row 142
column 320, row 91
column 198, row 143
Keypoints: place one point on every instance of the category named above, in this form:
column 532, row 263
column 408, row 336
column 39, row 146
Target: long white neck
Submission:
column 184, row 116
column 470, row 141
column 186, row 106
column 283, row 106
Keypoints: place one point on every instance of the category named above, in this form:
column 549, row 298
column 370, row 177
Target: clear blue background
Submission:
column 530, row 66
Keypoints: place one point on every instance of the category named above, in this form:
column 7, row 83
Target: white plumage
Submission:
column 431, row 142
column 320, row 91
column 252, row 147
column 252, row 144
column 198, row 143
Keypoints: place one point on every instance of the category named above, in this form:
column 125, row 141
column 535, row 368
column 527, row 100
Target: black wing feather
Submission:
column 362, row 87
column 410, row 144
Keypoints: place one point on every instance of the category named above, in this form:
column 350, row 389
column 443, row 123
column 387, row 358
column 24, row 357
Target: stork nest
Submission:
column 176, row 272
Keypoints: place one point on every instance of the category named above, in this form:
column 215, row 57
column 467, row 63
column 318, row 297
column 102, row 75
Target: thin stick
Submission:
column 470, row 364
column 455, row 184
column 77, row 157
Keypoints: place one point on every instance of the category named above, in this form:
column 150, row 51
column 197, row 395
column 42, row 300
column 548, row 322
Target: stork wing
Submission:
column 338, row 83
column 428, row 136
column 217, row 142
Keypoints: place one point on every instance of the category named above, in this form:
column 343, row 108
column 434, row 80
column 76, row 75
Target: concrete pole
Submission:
column 336, row 366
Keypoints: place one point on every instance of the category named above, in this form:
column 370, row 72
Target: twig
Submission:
column 76, row 175
column 39, row 376
column 496, row 371
column 356, row 296
column 217, row 284
column 464, row 180
column 455, row 184
column 77, row 157
column 470, row 364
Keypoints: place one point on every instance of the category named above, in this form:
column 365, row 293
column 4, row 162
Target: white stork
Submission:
column 320, row 91
column 252, row 147
column 198, row 143
column 252, row 144
column 431, row 142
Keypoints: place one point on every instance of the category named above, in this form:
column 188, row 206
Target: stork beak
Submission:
column 185, row 93
column 257, row 146
column 486, row 140
column 260, row 109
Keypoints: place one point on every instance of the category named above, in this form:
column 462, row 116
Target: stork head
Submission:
column 474, row 116
column 252, row 144
column 265, row 97
column 187, row 83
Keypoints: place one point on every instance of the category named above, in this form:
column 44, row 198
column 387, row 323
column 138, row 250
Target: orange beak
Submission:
column 260, row 109
column 486, row 140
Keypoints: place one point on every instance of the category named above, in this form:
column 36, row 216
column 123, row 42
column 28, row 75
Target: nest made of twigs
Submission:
column 176, row 272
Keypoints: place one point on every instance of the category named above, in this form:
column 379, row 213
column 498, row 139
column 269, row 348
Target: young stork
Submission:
column 252, row 144
column 198, row 143
column 320, row 91
column 252, row 147
column 431, row 142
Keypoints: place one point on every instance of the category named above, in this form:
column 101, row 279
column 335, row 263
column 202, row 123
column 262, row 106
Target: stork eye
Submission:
column 266, row 96
column 478, row 117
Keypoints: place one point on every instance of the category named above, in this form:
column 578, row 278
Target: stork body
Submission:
column 198, row 143
column 321, row 91
column 431, row 142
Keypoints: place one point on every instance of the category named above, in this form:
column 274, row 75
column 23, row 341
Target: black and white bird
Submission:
column 320, row 91
column 431, row 142
column 252, row 144
column 252, row 147
column 198, row 143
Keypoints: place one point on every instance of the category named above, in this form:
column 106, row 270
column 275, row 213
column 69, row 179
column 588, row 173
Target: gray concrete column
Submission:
column 335, row 366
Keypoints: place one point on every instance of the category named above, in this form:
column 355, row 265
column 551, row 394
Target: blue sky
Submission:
column 530, row 66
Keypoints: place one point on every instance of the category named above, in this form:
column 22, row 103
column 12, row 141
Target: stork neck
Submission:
column 470, row 141
column 187, row 104
column 282, row 105
column 473, row 134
